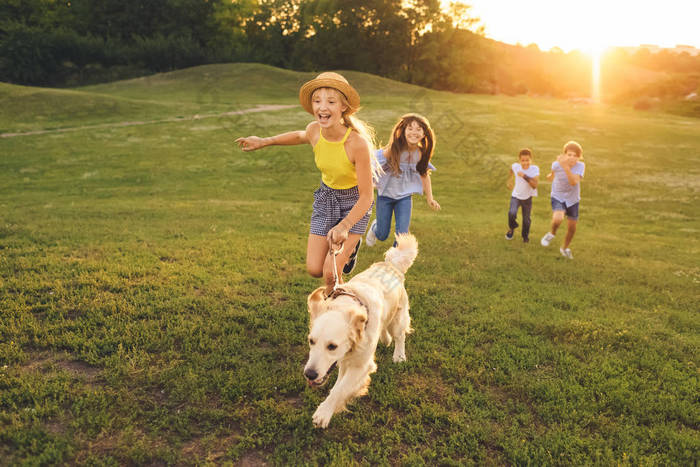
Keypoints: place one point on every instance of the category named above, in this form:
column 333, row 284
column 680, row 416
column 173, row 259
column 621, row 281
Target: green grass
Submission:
column 153, row 289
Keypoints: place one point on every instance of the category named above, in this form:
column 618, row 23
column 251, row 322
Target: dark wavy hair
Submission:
column 398, row 144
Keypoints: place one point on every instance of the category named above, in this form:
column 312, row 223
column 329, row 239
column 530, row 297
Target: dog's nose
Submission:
column 310, row 374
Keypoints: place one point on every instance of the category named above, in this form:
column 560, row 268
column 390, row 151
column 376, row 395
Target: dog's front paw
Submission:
column 322, row 416
column 398, row 358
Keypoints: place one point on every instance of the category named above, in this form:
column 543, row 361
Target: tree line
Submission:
column 70, row 42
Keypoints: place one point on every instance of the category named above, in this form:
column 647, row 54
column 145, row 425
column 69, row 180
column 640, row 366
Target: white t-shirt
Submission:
column 522, row 189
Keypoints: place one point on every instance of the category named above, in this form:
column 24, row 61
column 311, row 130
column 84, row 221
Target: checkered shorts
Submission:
column 331, row 206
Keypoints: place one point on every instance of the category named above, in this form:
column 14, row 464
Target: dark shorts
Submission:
column 331, row 206
column 571, row 211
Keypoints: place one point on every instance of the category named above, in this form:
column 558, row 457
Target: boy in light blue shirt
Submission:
column 567, row 172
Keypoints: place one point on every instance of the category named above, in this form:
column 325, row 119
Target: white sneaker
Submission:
column 548, row 237
column 371, row 238
column 566, row 253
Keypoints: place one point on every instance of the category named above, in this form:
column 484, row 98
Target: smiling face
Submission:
column 525, row 161
column 414, row 134
column 328, row 106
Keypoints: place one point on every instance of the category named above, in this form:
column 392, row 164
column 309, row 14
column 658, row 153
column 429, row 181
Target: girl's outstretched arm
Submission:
column 428, row 190
column 251, row 143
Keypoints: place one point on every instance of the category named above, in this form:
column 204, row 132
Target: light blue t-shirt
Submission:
column 408, row 182
column 562, row 190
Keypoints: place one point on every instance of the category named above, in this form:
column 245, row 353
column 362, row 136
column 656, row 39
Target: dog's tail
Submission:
column 403, row 254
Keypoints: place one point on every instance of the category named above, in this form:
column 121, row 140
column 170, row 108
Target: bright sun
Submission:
column 590, row 25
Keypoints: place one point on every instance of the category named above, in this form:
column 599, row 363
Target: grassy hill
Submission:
column 153, row 289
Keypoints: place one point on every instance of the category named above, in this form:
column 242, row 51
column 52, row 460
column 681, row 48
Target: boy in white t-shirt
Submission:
column 526, row 178
column 566, row 175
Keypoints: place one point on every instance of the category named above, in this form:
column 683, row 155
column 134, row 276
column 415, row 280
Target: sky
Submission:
column 590, row 25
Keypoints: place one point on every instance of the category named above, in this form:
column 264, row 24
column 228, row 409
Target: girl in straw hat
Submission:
column 344, row 154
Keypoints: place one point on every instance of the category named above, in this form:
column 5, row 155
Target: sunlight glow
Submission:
column 590, row 26
column 576, row 24
column 595, row 49
column 595, row 77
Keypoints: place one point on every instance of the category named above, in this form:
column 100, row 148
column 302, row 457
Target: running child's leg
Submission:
column 527, row 210
column 402, row 213
column 557, row 218
column 572, row 220
column 570, row 231
column 513, row 213
column 385, row 208
column 558, row 211
column 316, row 252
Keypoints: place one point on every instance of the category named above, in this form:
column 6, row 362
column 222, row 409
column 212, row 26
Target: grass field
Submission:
column 153, row 288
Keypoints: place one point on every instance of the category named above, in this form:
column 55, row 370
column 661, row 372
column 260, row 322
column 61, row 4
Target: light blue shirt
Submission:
column 562, row 190
column 407, row 183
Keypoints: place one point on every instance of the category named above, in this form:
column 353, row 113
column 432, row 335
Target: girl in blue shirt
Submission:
column 406, row 164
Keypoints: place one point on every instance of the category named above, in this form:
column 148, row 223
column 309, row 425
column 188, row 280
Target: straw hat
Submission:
column 329, row 79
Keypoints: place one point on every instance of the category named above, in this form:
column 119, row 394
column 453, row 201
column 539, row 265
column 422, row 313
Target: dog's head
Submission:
column 335, row 327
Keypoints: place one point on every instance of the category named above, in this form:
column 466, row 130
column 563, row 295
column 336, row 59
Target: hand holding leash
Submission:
column 334, row 249
column 337, row 235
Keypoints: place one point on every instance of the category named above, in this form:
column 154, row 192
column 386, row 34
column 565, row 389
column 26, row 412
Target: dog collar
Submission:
column 338, row 291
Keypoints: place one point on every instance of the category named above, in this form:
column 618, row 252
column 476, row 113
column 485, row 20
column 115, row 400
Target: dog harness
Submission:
column 337, row 289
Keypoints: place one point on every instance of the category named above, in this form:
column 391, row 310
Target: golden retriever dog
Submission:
column 346, row 326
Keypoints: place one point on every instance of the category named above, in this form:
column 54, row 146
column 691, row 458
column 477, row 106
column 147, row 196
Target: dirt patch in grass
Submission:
column 252, row 459
column 295, row 402
column 106, row 444
column 57, row 426
column 81, row 369
column 209, row 449
column 258, row 108
column 435, row 387
column 43, row 361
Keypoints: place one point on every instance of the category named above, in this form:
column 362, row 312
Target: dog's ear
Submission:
column 358, row 320
column 316, row 303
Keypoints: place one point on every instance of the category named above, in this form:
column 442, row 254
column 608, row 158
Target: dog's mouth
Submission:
column 320, row 382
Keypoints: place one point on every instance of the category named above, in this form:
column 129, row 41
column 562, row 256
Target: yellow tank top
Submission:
column 332, row 160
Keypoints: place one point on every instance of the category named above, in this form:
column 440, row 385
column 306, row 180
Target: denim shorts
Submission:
column 571, row 211
column 331, row 206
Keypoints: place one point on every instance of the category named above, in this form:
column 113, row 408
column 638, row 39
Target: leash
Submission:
column 335, row 253
column 337, row 289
